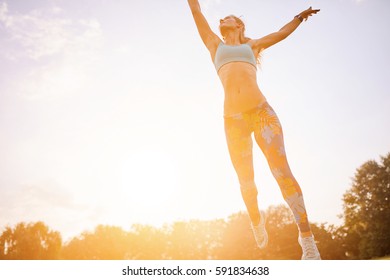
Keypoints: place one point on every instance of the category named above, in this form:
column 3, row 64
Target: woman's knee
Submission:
column 281, row 173
column 286, row 181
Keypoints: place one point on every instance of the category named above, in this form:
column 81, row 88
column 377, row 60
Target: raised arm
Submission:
column 284, row 32
column 209, row 38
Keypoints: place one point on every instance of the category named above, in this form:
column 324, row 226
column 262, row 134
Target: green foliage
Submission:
column 193, row 240
column 32, row 241
column 105, row 243
column 236, row 240
column 330, row 242
column 367, row 211
column 364, row 235
column 201, row 240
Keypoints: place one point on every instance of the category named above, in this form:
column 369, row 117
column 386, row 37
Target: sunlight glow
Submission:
column 149, row 180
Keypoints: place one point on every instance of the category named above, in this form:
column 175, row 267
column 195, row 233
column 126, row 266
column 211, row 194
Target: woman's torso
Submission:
column 239, row 81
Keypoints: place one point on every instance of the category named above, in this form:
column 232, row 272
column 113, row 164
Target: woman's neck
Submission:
column 232, row 38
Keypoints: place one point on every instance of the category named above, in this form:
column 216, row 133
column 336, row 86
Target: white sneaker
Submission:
column 309, row 248
column 260, row 233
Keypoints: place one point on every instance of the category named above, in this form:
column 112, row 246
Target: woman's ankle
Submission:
column 305, row 234
column 256, row 220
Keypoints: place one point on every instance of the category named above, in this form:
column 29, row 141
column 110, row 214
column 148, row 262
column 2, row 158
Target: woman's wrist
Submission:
column 299, row 17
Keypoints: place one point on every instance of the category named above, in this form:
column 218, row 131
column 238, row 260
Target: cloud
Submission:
column 56, row 50
column 47, row 202
column 44, row 32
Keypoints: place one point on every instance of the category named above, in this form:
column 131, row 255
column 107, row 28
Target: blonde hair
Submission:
column 243, row 38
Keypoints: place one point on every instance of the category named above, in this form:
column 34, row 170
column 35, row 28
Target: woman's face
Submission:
column 228, row 22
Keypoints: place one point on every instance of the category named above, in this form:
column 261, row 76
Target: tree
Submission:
column 367, row 211
column 193, row 240
column 33, row 241
column 237, row 242
column 105, row 243
column 150, row 243
column 330, row 241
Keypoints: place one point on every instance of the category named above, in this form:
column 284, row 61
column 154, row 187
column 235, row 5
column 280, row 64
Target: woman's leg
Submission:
column 269, row 136
column 238, row 137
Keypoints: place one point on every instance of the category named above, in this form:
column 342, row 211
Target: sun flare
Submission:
column 149, row 180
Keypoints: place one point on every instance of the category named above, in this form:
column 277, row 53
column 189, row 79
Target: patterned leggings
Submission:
column 265, row 125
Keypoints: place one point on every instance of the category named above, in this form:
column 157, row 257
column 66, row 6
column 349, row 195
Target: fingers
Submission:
column 309, row 12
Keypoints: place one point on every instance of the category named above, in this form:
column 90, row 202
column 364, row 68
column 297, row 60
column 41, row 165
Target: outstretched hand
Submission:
column 307, row 13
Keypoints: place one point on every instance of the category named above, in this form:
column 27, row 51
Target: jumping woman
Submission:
column 247, row 111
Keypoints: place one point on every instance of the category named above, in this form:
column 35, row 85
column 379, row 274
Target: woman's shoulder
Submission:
column 250, row 42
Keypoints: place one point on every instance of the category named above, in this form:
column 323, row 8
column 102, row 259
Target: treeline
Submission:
column 364, row 234
column 192, row 240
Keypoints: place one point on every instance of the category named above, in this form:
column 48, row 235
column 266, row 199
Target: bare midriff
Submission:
column 240, row 86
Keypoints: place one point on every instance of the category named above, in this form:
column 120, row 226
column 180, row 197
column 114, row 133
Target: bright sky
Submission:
column 111, row 111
